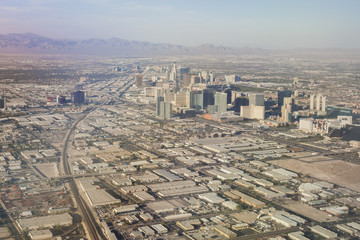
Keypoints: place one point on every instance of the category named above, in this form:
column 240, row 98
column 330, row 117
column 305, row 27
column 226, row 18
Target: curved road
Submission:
column 88, row 218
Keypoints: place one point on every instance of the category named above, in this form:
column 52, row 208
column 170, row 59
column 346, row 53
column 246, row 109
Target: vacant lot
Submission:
column 336, row 171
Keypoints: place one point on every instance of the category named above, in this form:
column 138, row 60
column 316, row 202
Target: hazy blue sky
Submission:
column 236, row 23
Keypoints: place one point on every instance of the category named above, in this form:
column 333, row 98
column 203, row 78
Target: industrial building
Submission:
column 45, row 221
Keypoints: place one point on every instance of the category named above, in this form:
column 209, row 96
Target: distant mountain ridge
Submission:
column 34, row 43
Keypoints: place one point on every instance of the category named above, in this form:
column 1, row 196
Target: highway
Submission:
column 87, row 216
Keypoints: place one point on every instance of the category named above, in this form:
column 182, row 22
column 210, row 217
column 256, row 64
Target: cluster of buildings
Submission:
column 204, row 173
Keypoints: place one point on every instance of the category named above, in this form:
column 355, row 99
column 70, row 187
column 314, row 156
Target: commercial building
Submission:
column 159, row 228
column 256, row 99
column 138, row 81
column 256, row 109
column 229, row 79
column 225, row 231
column 281, row 95
column 45, row 221
column 297, row 236
column 221, row 102
column 2, row 103
column 126, row 208
column 287, row 109
column 208, row 96
column 240, row 101
column 163, row 109
column 318, row 101
column 211, row 197
column 40, row 234
column 323, row 232
column 78, row 97
column 196, row 100
column 248, row 200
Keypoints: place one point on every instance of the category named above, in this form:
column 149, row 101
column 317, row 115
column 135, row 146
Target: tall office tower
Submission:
column 139, row 81
column 240, row 101
column 3, row 100
column 221, row 102
column 287, row 109
column 318, row 102
column 211, row 77
column 184, row 70
column 159, row 99
column 232, row 79
column 165, row 110
column 167, row 74
column 312, row 102
column 323, row 106
column 173, row 74
column 60, row 99
column 235, row 95
column 196, row 100
column 195, row 79
column 208, row 95
column 205, row 76
column 282, row 95
column 78, row 97
column 296, row 81
column 186, row 80
column 256, row 109
column 181, row 99
column 228, row 94
column 256, row 99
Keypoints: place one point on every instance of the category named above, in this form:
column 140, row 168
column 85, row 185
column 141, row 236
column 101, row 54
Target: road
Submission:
column 87, row 216
column 89, row 220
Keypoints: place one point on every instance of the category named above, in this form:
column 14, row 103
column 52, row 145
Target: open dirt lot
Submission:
column 336, row 171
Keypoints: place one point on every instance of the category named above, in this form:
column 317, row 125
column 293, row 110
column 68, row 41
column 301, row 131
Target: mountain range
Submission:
column 34, row 43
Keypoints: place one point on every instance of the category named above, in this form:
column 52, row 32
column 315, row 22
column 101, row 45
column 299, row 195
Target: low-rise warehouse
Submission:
column 45, row 221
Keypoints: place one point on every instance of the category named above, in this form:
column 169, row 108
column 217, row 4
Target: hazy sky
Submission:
column 279, row 24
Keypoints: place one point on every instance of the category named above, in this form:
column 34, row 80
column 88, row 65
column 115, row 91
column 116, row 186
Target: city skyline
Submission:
column 264, row 24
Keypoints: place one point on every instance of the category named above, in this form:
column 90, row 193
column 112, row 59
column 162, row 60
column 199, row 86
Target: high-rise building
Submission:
column 181, row 99
column 196, row 100
column 256, row 109
column 232, row 79
column 287, row 109
column 323, row 105
column 221, row 102
column 256, row 99
column 320, row 103
column 208, row 95
column 228, row 94
column 196, row 79
column 159, row 99
column 211, row 77
column 139, row 81
column 205, row 76
column 184, row 70
column 186, row 79
column 282, row 95
column 173, row 73
column 240, row 101
column 296, row 81
column 165, row 110
column 78, row 97
column 2, row 102
column 312, row 102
